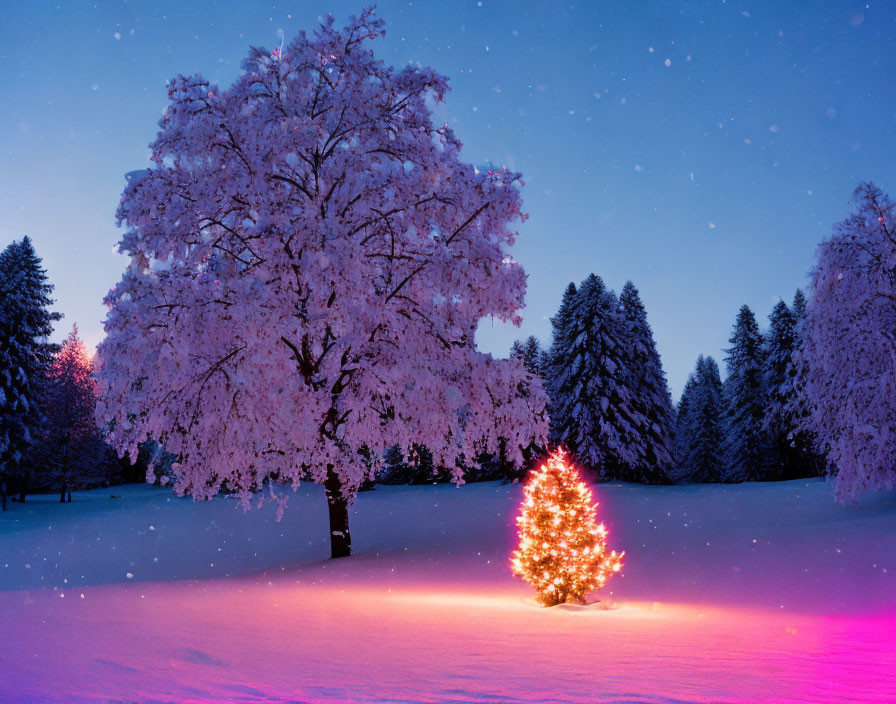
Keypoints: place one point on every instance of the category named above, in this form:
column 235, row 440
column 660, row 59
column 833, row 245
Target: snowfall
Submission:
column 755, row 592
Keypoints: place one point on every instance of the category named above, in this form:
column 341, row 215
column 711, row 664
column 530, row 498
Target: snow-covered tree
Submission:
column 72, row 447
column 650, row 392
column 778, row 426
column 798, row 307
column 529, row 352
column 25, row 354
column 682, row 437
column 791, row 451
column 561, row 341
column 744, row 400
column 563, row 549
column 699, row 429
column 806, row 447
column 849, row 345
column 592, row 406
column 309, row 262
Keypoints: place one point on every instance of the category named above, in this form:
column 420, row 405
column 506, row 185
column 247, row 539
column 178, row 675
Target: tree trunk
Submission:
column 62, row 493
column 337, row 503
column 3, row 492
column 24, row 488
column 69, row 495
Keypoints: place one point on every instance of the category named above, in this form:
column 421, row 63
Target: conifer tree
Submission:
column 72, row 447
column 798, row 308
column 593, row 413
column 807, row 451
column 529, row 352
column 778, row 425
column 561, row 341
column 563, row 549
column 744, row 399
column 683, row 420
column 700, row 425
column 25, row 354
column 650, row 393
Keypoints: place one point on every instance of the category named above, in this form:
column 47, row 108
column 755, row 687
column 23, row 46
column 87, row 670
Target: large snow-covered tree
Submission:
column 650, row 392
column 592, row 407
column 699, row 427
column 744, row 457
column 26, row 324
column 309, row 261
column 849, row 345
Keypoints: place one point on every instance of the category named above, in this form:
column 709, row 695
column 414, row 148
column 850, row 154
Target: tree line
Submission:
column 814, row 394
column 770, row 419
column 611, row 407
column 48, row 436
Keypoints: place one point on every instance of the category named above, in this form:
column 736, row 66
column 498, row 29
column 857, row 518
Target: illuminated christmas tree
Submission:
column 563, row 549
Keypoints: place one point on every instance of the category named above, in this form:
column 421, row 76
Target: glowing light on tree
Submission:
column 563, row 549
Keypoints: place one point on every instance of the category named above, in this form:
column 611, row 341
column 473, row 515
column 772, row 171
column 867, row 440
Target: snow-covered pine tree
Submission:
column 649, row 390
column 72, row 449
column 25, row 354
column 700, row 426
column 593, row 413
column 807, row 453
column 778, row 425
column 744, row 456
column 798, row 308
column 529, row 352
column 682, row 435
column 561, row 341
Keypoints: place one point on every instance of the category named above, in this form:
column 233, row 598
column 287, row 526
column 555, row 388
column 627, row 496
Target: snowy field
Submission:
column 756, row 592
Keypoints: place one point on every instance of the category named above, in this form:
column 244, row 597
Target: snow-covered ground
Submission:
column 756, row 592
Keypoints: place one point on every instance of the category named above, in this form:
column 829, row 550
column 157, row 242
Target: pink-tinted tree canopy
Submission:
column 309, row 260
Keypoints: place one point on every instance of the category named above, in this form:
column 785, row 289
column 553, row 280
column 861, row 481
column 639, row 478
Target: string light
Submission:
column 563, row 549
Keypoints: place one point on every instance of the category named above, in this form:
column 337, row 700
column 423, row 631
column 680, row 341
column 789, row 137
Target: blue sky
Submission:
column 701, row 149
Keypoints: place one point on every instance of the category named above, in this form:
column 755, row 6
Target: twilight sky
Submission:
column 699, row 148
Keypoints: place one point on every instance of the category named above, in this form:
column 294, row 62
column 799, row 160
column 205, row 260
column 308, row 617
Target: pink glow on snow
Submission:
column 762, row 593
column 247, row 640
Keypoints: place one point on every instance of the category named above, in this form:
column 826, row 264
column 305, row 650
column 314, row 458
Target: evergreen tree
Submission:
column 700, row 426
column 650, row 393
column 72, row 450
column 807, row 455
column 744, row 400
column 529, row 352
column 25, row 354
column 561, row 341
column 798, row 309
column 563, row 549
column 778, row 425
column 593, row 413
column 683, row 420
